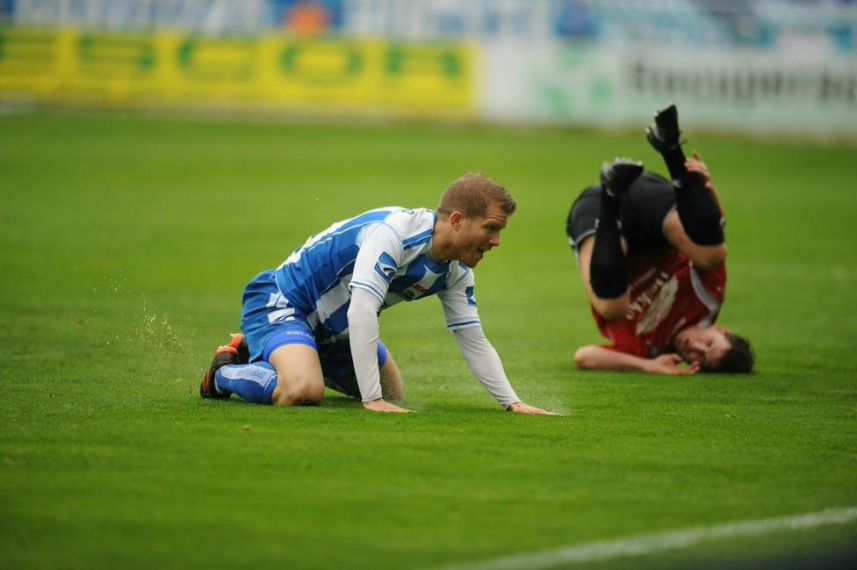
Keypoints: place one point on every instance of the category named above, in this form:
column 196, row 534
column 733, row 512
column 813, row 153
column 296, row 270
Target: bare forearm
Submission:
column 599, row 358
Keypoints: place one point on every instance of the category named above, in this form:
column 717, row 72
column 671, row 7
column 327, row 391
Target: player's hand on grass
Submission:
column 670, row 364
column 383, row 406
column 522, row 408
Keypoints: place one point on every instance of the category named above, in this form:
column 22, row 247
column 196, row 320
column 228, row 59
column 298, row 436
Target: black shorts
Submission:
column 648, row 201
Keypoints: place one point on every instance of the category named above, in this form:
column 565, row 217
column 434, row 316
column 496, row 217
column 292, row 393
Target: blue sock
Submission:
column 252, row 382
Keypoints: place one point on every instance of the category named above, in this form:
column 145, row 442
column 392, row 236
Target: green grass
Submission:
column 124, row 247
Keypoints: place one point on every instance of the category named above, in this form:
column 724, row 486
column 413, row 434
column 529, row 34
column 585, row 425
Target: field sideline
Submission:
column 126, row 244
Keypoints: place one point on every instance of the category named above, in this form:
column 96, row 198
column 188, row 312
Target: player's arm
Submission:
column 462, row 318
column 363, row 337
column 593, row 357
column 704, row 257
column 376, row 264
column 485, row 364
column 610, row 309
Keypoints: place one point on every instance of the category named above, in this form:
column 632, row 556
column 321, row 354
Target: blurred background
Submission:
column 746, row 66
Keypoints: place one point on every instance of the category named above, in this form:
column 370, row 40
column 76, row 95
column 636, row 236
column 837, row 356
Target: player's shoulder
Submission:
column 406, row 221
column 411, row 228
column 365, row 220
column 411, row 222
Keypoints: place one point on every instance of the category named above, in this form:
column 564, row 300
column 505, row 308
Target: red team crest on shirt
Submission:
column 668, row 294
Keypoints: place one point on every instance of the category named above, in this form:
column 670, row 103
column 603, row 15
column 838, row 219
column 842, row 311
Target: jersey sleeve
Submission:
column 458, row 299
column 485, row 364
column 710, row 289
column 378, row 260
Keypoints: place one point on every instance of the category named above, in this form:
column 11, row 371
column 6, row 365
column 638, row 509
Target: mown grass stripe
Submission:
column 660, row 542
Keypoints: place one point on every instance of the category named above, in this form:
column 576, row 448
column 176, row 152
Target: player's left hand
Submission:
column 670, row 364
column 522, row 408
column 382, row 406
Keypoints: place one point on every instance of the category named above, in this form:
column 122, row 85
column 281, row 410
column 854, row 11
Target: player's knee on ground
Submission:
column 298, row 391
column 299, row 376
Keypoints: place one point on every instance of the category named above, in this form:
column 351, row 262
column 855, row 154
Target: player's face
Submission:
column 703, row 345
column 476, row 236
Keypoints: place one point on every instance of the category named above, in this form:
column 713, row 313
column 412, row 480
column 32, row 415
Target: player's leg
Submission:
column 608, row 270
column 299, row 380
column 697, row 206
column 704, row 257
column 608, row 308
column 282, row 342
column 580, row 229
column 284, row 367
column 289, row 375
column 594, row 232
column 234, row 352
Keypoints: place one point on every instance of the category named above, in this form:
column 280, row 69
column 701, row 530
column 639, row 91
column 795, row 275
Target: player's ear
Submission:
column 455, row 219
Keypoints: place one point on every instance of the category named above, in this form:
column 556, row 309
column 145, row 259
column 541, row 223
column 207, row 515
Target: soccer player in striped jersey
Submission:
column 313, row 321
column 652, row 257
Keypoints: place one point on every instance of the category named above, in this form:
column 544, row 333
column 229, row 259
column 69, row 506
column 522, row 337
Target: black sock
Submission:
column 697, row 208
column 675, row 159
column 608, row 271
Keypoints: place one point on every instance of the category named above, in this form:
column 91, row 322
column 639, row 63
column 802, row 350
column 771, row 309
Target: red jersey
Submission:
column 668, row 294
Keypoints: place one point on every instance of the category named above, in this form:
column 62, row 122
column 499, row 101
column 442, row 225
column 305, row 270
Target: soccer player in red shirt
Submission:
column 651, row 253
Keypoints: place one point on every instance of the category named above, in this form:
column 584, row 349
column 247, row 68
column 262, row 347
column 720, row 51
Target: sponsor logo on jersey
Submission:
column 661, row 305
column 471, row 300
column 386, row 267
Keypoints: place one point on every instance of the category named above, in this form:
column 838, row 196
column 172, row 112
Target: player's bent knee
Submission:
column 300, row 381
column 612, row 309
column 711, row 259
column 289, row 396
column 612, row 315
column 298, row 392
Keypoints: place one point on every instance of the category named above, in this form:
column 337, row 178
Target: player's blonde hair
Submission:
column 471, row 195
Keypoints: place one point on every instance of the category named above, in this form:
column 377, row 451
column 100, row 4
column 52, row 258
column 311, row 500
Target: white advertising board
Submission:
column 746, row 91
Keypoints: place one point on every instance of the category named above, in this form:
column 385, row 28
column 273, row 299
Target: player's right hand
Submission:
column 522, row 408
column 383, row 406
column 670, row 364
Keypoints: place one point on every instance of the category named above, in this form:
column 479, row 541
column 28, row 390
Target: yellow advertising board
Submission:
column 339, row 76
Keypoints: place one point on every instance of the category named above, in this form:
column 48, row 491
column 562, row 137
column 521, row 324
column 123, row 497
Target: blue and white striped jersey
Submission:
column 383, row 251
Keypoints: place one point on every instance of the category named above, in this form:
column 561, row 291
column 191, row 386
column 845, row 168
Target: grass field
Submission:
column 124, row 247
